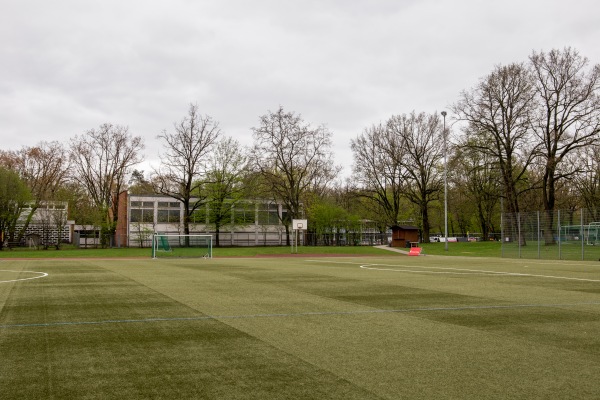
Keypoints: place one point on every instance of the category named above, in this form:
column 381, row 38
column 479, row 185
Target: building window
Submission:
column 244, row 214
column 199, row 215
column 268, row 214
column 169, row 212
column 168, row 204
column 142, row 211
column 168, row 216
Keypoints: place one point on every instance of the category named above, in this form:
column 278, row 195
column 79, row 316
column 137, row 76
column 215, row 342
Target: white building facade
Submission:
column 252, row 222
column 47, row 225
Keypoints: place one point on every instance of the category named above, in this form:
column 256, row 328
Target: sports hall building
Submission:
column 252, row 222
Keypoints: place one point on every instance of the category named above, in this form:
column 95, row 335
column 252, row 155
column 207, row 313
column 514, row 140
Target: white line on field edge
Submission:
column 42, row 275
column 417, row 269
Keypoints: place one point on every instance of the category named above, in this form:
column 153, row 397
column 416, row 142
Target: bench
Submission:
column 11, row 245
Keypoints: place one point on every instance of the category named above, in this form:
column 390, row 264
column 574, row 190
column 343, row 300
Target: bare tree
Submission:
column 587, row 179
column 293, row 159
column 183, row 165
column 477, row 177
column 44, row 169
column 378, row 170
column 422, row 140
column 13, row 196
column 568, row 116
column 44, row 221
column 102, row 160
column 59, row 220
column 498, row 113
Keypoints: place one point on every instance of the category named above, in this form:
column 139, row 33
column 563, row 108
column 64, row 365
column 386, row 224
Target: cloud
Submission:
column 69, row 66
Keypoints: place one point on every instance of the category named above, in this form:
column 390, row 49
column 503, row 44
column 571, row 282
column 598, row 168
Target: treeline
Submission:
column 525, row 137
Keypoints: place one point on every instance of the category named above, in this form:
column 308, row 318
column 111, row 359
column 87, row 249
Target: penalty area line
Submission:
column 42, row 275
column 418, row 269
column 462, row 271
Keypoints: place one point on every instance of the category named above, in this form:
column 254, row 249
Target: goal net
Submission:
column 178, row 246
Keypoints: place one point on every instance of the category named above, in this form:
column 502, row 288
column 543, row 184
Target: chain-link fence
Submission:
column 347, row 239
column 227, row 239
column 552, row 235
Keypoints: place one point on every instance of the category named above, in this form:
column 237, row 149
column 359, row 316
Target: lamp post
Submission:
column 445, row 185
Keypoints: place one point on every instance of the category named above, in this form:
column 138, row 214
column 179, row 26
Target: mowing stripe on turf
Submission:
column 304, row 314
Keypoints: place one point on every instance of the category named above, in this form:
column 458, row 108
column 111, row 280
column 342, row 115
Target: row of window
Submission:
column 143, row 212
column 150, row 204
column 240, row 217
column 50, row 205
column 147, row 215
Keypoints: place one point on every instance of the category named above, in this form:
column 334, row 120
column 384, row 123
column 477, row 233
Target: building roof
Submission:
column 405, row 227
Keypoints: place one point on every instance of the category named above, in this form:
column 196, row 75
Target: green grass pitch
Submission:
column 300, row 328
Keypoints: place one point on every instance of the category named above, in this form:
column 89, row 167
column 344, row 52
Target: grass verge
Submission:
column 464, row 249
column 133, row 252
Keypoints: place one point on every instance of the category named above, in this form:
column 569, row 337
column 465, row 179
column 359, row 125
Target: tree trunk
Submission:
column 426, row 227
column 186, row 222
column 549, row 201
column 217, row 234
column 482, row 222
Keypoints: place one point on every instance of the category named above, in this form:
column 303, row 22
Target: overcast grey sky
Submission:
column 67, row 66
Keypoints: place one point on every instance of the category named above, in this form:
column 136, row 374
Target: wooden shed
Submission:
column 403, row 235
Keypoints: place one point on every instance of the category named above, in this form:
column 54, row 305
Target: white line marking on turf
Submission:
column 42, row 275
column 305, row 314
column 453, row 271
column 471, row 272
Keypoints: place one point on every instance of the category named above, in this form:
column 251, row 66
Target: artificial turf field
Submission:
column 300, row 328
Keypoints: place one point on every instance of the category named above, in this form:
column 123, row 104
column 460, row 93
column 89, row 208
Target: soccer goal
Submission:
column 181, row 246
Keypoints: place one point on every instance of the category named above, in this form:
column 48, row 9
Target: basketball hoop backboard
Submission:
column 299, row 224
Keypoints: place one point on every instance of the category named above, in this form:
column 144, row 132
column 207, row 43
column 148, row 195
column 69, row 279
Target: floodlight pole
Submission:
column 445, row 184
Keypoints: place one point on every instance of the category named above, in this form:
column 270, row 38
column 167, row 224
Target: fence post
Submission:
column 559, row 238
column 519, row 230
column 582, row 237
column 539, row 238
column 501, row 233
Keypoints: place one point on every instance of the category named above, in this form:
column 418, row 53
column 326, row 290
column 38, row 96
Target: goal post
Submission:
column 181, row 246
